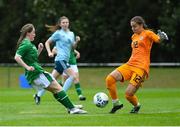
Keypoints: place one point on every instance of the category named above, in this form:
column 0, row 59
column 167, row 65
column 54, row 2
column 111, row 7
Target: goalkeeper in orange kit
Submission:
column 137, row 67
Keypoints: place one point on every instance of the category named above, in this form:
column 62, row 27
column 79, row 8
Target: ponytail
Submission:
column 24, row 30
column 53, row 28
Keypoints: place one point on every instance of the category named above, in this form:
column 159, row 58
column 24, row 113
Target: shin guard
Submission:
column 111, row 86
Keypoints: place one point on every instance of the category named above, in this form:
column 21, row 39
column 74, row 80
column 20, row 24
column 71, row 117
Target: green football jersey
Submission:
column 29, row 55
column 72, row 59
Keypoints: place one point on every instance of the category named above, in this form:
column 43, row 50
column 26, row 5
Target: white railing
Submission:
column 97, row 64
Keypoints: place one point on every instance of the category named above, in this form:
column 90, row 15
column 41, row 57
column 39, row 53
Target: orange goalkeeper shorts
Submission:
column 135, row 75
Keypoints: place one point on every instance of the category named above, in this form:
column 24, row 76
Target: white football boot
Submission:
column 77, row 111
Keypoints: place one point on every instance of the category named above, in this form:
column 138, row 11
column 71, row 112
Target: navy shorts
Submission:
column 61, row 65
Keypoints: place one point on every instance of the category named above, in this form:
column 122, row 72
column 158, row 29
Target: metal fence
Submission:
column 164, row 64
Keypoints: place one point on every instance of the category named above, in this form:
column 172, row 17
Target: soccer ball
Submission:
column 100, row 99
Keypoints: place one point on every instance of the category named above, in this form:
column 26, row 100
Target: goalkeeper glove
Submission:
column 162, row 35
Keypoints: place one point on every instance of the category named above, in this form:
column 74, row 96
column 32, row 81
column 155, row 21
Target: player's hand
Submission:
column 77, row 55
column 30, row 68
column 162, row 35
column 40, row 46
column 78, row 38
column 51, row 54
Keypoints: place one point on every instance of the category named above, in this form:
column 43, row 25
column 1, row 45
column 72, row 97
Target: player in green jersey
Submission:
column 27, row 56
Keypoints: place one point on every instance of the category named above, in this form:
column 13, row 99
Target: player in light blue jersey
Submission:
column 65, row 41
column 73, row 64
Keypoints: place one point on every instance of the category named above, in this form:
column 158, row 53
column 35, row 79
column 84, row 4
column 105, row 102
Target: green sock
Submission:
column 78, row 88
column 63, row 98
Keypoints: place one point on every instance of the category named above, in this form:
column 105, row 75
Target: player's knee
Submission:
column 110, row 80
column 54, row 87
column 75, row 79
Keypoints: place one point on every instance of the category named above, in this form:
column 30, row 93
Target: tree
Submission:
column 103, row 26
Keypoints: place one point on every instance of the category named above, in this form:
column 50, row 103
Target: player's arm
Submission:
column 40, row 48
column 54, row 50
column 160, row 36
column 22, row 63
column 77, row 40
column 47, row 45
column 77, row 54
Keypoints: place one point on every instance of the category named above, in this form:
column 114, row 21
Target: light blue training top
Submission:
column 64, row 40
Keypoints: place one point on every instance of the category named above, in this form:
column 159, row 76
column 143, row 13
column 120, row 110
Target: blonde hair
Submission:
column 24, row 30
column 53, row 28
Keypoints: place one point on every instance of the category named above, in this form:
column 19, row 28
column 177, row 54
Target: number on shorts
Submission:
column 138, row 79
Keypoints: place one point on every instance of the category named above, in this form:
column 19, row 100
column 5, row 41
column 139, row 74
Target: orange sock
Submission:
column 111, row 86
column 132, row 99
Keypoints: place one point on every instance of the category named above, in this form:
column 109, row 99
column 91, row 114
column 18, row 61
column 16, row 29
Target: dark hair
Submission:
column 53, row 28
column 24, row 30
column 139, row 20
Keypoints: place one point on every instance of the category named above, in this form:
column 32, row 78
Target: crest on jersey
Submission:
column 141, row 38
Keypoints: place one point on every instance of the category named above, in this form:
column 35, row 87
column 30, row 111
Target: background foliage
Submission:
column 103, row 26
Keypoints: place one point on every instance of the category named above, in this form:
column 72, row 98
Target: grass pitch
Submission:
column 160, row 99
column 159, row 107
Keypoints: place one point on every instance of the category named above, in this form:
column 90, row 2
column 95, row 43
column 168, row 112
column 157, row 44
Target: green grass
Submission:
column 159, row 107
column 160, row 99
column 159, row 77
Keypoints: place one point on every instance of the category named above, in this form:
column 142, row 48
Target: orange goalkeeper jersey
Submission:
column 141, row 48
